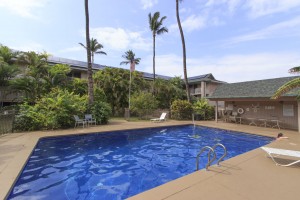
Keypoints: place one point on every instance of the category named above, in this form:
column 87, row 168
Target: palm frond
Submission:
column 82, row 45
column 295, row 70
column 286, row 88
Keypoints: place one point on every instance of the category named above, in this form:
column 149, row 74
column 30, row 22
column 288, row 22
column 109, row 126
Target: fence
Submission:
column 6, row 121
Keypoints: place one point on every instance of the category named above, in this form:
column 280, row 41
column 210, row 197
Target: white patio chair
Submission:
column 89, row 119
column 162, row 118
column 275, row 153
column 79, row 121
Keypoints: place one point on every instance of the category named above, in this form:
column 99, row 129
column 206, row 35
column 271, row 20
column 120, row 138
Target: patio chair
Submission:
column 162, row 118
column 79, row 121
column 276, row 153
column 89, row 119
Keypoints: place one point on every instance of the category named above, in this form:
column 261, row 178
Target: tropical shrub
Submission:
column 52, row 111
column 101, row 111
column 143, row 103
column 203, row 109
column 181, row 110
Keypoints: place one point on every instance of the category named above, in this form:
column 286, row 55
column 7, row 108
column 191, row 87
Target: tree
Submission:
column 114, row 82
column 8, row 69
column 295, row 83
column 155, row 24
column 183, row 51
column 129, row 57
column 95, row 48
column 36, row 79
column 88, row 54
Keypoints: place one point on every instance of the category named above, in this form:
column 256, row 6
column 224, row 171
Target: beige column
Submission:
column 216, row 111
column 298, row 116
column 203, row 89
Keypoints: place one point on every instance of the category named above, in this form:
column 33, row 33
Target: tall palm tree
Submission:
column 95, row 48
column 155, row 24
column 88, row 54
column 183, row 51
column 295, row 83
column 130, row 59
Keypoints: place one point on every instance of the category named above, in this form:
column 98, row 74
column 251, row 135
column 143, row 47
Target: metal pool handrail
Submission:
column 223, row 156
column 211, row 149
column 209, row 161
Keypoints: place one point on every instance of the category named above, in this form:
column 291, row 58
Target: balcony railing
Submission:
column 195, row 91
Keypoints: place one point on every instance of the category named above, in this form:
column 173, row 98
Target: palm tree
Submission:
column 95, row 48
column 155, row 25
column 130, row 58
column 289, row 85
column 88, row 53
column 183, row 51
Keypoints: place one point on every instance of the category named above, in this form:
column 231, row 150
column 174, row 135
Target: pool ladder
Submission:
column 211, row 149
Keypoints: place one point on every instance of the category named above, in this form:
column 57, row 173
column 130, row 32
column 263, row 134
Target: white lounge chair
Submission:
column 162, row 118
column 275, row 153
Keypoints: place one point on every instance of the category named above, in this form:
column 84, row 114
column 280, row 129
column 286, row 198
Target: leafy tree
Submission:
column 115, row 84
column 183, row 50
column 155, row 24
column 35, row 79
column 143, row 103
column 58, row 75
column 295, row 83
column 8, row 69
column 78, row 86
column 166, row 91
column 95, row 48
column 181, row 110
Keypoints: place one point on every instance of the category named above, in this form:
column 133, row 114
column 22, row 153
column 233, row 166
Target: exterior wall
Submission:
column 267, row 110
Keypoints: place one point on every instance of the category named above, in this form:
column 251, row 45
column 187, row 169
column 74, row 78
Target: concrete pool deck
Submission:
column 248, row 176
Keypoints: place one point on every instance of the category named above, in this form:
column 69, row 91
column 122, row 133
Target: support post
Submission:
column 216, row 111
column 298, row 116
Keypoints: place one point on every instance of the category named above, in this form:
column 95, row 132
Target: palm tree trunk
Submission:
column 153, row 63
column 184, row 52
column 88, row 52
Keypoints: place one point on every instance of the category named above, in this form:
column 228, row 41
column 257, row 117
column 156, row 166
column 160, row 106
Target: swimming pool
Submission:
column 120, row 164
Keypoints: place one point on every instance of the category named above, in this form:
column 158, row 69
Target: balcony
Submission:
column 195, row 91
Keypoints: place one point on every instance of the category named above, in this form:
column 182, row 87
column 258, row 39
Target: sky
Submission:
column 235, row 40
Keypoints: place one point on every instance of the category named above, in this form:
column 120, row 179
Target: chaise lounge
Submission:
column 275, row 153
column 162, row 118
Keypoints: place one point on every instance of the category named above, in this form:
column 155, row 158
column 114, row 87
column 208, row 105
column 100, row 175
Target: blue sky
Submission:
column 235, row 40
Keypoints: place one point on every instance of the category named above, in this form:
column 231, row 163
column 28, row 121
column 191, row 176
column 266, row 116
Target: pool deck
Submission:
column 248, row 176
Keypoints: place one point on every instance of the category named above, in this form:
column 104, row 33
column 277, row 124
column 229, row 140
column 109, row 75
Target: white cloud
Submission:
column 23, row 8
column 285, row 28
column 229, row 68
column 72, row 49
column 121, row 39
column 148, row 3
column 192, row 23
column 29, row 46
column 260, row 8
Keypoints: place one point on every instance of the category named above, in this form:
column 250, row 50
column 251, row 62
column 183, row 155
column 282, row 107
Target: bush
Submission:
column 181, row 110
column 143, row 103
column 101, row 111
column 52, row 111
column 203, row 109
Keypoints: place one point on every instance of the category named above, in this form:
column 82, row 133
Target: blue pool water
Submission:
column 120, row 164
